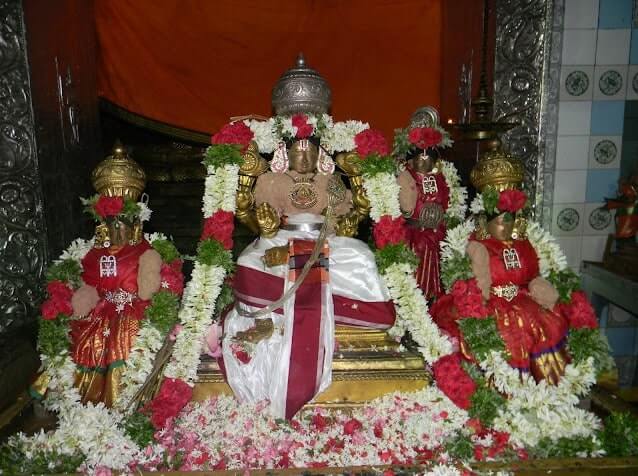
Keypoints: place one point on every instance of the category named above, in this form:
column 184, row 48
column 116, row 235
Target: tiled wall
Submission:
column 599, row 74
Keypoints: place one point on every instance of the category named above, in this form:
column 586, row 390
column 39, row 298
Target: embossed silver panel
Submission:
column 22, row 230
column 521, row 85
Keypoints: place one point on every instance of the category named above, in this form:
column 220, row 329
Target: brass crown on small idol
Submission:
column 118, row 175
column 498, row 169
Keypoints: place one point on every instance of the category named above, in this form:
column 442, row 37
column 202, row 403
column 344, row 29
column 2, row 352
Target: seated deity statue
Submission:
column 507, row 282
column 118, row 276
column 301, row 276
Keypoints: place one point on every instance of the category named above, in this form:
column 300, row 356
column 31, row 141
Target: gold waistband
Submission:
column 507, row 292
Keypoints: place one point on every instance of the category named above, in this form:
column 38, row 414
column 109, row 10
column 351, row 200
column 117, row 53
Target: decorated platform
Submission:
column 450, row 344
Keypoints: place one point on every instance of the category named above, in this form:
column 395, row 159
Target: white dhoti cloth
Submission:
column 299, row 354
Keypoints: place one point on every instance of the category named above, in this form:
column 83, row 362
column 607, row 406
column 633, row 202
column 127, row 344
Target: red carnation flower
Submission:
column 108, row 206
column 424, row 137
column 49, row 310
column 468, row 299
column 59, row 290
column 371, row 141
column 304, row 130
column 453, row 380
column 236, row 133
column 579, row 312
column 511, row 201
column 174, row 394
column 220, row 227
column 389, row 231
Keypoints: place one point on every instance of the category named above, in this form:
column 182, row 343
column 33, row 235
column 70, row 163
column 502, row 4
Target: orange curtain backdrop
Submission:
column 193, row 64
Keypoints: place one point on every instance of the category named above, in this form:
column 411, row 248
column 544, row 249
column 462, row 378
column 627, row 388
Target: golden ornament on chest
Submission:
column 303, row 193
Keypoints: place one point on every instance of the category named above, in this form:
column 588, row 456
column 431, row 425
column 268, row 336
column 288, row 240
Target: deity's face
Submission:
column 119, row 232
column 423, row 163
column 501, row 227
column 303, row 157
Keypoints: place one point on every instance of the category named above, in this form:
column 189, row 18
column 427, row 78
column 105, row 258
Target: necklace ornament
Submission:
column 303, row 193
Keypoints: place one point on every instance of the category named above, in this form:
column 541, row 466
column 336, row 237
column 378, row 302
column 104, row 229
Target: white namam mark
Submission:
column 510, row 258
column 429, row 185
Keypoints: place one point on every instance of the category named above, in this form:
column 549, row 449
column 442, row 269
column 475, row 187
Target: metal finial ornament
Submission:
column 426, row 116
column 118, row 175
column 301, row 89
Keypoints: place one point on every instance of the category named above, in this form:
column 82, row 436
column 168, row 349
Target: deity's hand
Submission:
column 347, row 225
column 245, row 200
column 276, row 256
column 268, row 220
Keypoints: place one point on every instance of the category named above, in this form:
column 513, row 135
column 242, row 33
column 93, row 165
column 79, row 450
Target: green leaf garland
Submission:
column 218, row 155
column 482, row 336
column 394, row 254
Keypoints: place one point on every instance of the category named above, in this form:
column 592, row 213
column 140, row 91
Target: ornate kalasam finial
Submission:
column 118, row 175
column 301, row 89
column 498, row 169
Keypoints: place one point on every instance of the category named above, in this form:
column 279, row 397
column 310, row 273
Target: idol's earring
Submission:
column 279, row 162
column 102, row 239
column 325, row 164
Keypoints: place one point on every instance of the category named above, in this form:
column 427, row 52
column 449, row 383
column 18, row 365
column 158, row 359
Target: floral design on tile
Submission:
column 567, row 219
column 610, row 82
column 599, row 218
column 605, row 152
column 576, row 83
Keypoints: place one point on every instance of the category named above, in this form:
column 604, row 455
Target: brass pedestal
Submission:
column 366, row 365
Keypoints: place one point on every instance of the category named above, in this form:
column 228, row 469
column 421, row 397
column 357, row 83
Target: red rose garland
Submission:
column 453, row 380
column 108, row 206
column 389, row 231
column 468, row 299
column 174, row 394
column 235, row 133
column 511, row 201
column 579, row 311
column 304, row 130
column 371, row 141
column 220, row 227
column 424, row 137
column 59, row 301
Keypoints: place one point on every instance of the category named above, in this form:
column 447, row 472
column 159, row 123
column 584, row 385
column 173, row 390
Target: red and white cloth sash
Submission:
column 307, row 355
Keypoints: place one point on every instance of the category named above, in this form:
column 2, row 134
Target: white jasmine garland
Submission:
column 456, row 240
column 457, row 207
column 340, row 137
column 90, row 429
column 220, row 188
column 198, row 305
column 412, row 312
column 138, row 365
column 77, row 250
column 477, row 207
column 383, row 192
column 550, row 255
column 145, row 212
column 263, row 134
column 537, row 410
column 151, row 237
